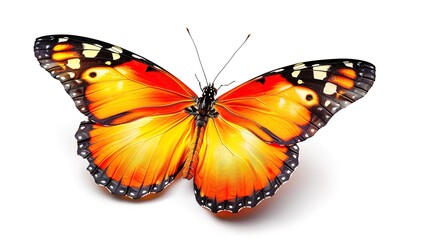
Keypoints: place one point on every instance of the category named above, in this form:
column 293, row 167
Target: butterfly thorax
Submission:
column 203, row 108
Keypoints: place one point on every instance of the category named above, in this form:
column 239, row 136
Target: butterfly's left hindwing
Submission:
column 138, row 134
column 238, row 168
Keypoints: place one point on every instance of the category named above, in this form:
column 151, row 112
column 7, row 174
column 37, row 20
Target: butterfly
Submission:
column 145, row 126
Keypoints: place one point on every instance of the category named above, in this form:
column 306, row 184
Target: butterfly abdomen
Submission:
column 192, row 157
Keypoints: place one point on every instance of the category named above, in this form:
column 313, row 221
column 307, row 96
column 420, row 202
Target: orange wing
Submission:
column 139, row 157
column 290, row 104
column 238, row 169
column 138, row 134
column 109, row 84
column 250, row 147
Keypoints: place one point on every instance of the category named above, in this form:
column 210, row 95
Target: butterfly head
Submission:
column 209, row 92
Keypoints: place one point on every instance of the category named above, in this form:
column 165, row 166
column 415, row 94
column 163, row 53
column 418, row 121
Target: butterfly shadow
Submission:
column 280, row 204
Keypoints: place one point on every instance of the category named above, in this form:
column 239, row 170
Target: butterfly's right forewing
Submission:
column 108, row 83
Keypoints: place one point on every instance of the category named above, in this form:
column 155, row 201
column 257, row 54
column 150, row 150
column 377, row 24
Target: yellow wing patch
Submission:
column 143, row 155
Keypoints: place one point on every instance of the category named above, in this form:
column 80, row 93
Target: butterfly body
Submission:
column 144, row 125
column 202, row 111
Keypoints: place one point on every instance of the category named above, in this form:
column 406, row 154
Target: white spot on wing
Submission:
column 322, row 68
column 348, row 64
column 73, row 63
column 71, row 74
column 320, row 72
column 116, row 49
column 330, row 88
column 327, row 102
column 295, row 73
column 319, row 75
column 64, row 39
column 299, row 66
column 90, row 50
column 137, row 56
column 115, row 56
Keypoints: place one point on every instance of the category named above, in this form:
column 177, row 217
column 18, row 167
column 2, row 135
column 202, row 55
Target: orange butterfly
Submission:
column 145, row 125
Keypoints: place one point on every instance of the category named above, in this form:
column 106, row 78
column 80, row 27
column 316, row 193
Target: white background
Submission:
column 364, row 176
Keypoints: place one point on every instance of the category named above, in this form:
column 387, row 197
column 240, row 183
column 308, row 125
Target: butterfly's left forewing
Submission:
column 290, row 104
column 250, row 149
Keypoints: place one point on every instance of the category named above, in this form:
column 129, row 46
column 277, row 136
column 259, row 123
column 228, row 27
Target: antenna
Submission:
column 224, row 85
column 231, row 58
column 199, row 83
column 199, row 59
